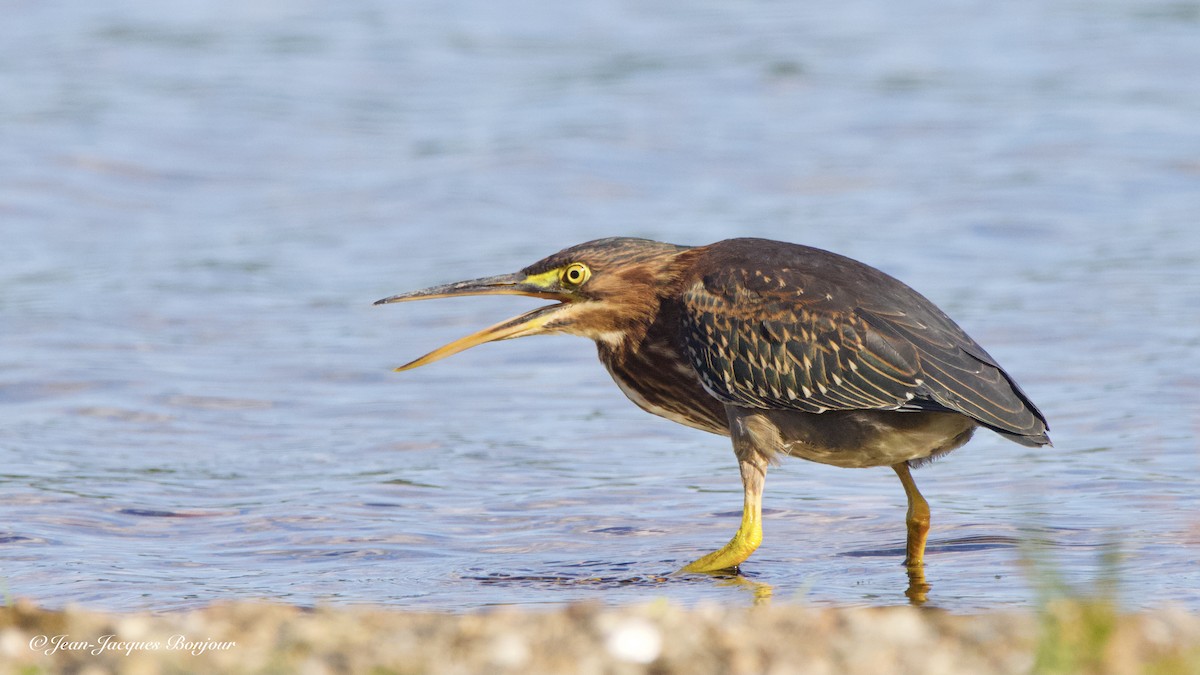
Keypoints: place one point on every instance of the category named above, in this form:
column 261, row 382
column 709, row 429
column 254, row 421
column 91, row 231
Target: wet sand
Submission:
column 659, row 638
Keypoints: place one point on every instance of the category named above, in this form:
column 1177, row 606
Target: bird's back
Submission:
column 782, row 326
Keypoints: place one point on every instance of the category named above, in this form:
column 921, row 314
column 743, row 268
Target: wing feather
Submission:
column 867, row 343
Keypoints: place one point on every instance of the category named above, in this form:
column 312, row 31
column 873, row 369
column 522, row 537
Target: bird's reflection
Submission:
column 761, row 592
column 918, row 588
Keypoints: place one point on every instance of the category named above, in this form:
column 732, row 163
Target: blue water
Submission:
column 200, row 200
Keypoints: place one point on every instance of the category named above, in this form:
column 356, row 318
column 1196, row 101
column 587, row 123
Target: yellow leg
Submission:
column 749, row 534
column 918, row 518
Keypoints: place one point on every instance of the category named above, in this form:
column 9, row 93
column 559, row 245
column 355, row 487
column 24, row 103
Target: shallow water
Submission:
column 199, row 204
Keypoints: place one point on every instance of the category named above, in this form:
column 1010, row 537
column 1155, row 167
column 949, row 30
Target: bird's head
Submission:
column 608, row 290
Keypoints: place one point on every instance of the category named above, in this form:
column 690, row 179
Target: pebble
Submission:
column 635, row 640
column 659, row 638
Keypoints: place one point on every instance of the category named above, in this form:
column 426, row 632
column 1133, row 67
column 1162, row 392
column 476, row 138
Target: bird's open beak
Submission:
column 529, row 323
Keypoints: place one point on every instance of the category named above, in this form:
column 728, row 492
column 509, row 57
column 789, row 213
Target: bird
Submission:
column 787, row 349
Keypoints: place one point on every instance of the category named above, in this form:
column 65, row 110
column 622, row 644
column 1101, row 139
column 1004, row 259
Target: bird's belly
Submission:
column 866, row 438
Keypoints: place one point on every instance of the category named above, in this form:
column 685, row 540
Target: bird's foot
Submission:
column 728, row 557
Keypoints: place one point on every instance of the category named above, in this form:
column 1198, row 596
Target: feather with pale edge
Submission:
column 791, row 339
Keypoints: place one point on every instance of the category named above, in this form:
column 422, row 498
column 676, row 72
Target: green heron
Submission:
column 787, row 349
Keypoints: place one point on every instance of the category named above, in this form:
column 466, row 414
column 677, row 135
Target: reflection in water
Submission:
column 760, row 591
column 757, row 592
column 918, row 589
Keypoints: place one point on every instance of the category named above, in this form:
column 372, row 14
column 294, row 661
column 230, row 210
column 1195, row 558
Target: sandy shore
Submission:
column 658, row 638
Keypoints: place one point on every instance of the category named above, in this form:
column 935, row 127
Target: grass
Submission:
column 1082, row 631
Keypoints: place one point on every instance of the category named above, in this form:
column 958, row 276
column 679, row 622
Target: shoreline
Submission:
column 658, row 637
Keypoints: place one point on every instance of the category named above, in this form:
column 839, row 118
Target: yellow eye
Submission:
column 575, row 274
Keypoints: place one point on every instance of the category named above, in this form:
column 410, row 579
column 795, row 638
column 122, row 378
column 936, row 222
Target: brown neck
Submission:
column 656, row 317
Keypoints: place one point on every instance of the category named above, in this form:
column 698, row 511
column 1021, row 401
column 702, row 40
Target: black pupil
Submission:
column 573, row 274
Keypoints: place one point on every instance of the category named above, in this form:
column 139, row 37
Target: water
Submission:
column 200, row 201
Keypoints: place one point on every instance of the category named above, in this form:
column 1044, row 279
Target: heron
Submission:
column 786, row 349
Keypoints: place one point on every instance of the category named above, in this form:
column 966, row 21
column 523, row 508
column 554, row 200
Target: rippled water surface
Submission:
column 200, row 200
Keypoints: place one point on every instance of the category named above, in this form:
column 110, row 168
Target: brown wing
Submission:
column 794, row 327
